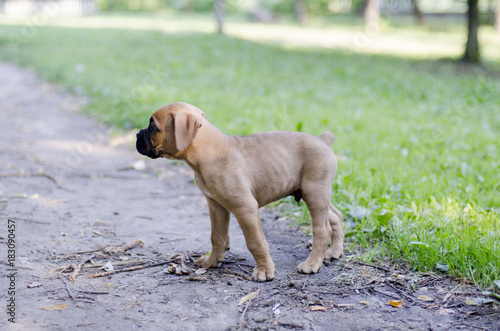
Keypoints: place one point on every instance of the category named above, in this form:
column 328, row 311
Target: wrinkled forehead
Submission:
column 163, row 113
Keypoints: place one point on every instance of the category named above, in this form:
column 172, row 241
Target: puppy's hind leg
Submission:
column 336, row 249
column 219, row 219
column 317, row 198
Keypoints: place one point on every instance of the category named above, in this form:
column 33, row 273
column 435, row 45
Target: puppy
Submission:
column 240, row 174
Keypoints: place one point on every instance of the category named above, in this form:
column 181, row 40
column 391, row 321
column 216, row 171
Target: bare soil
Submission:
column 77, row 194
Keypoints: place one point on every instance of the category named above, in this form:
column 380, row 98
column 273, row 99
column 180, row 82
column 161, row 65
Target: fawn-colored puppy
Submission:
column 239, row 174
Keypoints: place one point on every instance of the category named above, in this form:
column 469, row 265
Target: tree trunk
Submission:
column 497, row 17
column 372, row 14
column 416, row 11
column 472, row 47
column 219, row 15
column 301, row 11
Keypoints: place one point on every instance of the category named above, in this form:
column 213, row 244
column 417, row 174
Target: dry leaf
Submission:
column 247, row 297
column 57, row 307
column 366, row 303
column 35, row 284
column 346, row 305
column 470, row 303
column 175, row 269
column 396, row 303
column 445, row 311
column 478, row 301
column 108, row 266
column 317, row 308
column 425, row 298
column 200, row 271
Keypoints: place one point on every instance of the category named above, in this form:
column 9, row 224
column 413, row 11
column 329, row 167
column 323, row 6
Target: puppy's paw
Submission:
column 207, row 262
column 262, row 274
column 307, row 267
column 334, row 253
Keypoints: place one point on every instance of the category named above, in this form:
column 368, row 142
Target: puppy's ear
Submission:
column 185, row 126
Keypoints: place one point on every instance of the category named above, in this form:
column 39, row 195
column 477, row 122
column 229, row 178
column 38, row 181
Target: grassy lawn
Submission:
column 417, row 139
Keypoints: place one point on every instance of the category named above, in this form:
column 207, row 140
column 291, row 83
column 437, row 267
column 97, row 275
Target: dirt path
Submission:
column 69, row 188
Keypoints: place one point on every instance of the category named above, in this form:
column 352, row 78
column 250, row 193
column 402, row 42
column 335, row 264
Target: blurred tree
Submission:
column 472, row 46
column 372, row 13
column 416, row 11
column 497, row 17
column 219, row 15
column 301, row 11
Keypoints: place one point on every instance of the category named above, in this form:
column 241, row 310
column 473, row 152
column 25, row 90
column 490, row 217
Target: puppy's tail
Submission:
column 328, row 138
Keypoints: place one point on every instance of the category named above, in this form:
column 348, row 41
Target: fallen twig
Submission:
column 100, row 265
column 449, row 294
column 61, row 277
column 78, row 268
column 292, row 326
column 92, row 292
column 242, row 317
column 236, row 273
column 458, row 304
column 464, row 324
column 373, row 266
column 428, row 283
column 39, row 174
column 84, row 252
column 109, row 249
column 121, row 249
column 386, row 294
column 101, row 252
column 368, row 287
column 49, row 177
column 474, row 326
column 109, row 273
column 403, row 293
column 305, row 283
column 63, row 269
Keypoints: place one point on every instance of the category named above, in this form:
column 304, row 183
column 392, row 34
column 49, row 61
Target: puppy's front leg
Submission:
column 219, row 218
column 249, row 221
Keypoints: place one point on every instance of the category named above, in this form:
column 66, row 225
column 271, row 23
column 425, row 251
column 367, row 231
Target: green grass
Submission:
column 417, row 139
